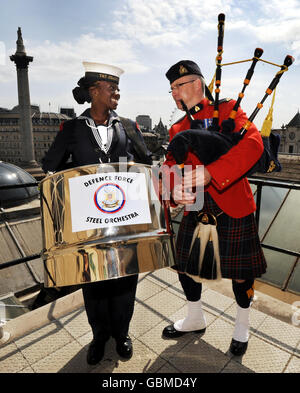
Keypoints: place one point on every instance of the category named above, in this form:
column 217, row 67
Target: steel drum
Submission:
column 101, row 222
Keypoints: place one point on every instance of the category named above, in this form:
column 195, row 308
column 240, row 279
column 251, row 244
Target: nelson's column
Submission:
column 22, row 60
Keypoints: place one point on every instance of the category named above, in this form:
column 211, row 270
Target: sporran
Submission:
column 204, row 256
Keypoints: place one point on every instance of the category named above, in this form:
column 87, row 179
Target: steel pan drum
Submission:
column 101, row 222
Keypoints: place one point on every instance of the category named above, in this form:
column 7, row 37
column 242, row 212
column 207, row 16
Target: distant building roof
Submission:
column 295, row 122
column 50, row 115
column 65, row 114
column 4, row 110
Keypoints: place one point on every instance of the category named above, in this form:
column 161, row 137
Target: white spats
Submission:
column 242, row 324
column 195, row 319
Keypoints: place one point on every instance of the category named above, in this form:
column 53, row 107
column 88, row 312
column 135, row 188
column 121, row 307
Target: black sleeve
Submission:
column 58, row 153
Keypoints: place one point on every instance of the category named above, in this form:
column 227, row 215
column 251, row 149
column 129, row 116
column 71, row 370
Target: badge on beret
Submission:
column 182, row 70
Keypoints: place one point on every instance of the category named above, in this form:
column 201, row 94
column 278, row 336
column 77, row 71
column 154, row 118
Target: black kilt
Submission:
column 241, row 253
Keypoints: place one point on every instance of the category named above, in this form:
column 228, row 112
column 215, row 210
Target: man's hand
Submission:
column 182, row 196
column 193, row 179
column 183, row 192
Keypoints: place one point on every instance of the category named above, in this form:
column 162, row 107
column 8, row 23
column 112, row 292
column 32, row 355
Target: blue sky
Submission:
column 145, row 38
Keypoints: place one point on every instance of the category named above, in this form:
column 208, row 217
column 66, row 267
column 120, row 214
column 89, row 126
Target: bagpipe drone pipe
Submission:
column 211, row 143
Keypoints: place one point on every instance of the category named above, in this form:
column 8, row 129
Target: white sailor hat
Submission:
column 102, row 71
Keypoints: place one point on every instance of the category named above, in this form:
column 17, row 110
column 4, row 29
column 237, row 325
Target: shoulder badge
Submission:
column 222, row 101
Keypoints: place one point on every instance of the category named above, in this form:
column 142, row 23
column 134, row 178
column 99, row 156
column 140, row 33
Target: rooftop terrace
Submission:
column 55, row 337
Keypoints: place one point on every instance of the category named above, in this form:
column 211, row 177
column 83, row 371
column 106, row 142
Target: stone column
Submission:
column 22, row 60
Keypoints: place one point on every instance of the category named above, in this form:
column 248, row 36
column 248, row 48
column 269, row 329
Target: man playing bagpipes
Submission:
column 232, row 247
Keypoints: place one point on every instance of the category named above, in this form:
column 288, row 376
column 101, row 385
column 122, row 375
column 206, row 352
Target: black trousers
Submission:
column 109, row 306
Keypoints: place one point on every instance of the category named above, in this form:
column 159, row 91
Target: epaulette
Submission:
column 222, row 101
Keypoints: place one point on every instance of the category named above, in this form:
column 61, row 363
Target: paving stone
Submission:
column 199, row 357
column 281, row 333
column 164, row 277
column 11, row 359
column 85, row 339
column 293, row 365
column 219, row 335
column 234, row 367
column 168, row 369
column 216, row 302
column 76, row 323
column 165, row 347
column 43, row 341
column 262, row 357
column 143, row 320
column 297, row 349
column 67, row 359
column 146, row 289
column 165, row 303
column 27, row 370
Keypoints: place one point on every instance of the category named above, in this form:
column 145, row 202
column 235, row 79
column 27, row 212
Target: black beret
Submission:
column 182, row 68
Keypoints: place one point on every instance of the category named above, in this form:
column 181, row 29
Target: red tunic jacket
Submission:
column 228, row 188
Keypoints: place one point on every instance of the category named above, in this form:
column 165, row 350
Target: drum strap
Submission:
column 139, row 147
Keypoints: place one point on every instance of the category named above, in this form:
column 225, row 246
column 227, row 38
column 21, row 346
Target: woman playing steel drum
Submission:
column 99, row 136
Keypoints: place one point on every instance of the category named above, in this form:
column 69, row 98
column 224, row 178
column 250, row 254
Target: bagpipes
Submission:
column 209, row 146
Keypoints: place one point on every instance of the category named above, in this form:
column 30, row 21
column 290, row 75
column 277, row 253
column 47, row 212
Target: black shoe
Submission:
column 238, row 348
column 124, row 347
column 95, row 352
column 171, row 332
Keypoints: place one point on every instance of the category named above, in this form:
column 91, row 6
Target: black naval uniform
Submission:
column 109, row 304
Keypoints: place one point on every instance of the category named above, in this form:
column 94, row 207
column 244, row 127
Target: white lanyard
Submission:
column 103, row 132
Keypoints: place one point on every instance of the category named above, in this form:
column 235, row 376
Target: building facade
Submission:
column 162, row 131
column 290, row 136
column 45, row 126
column 144, row 122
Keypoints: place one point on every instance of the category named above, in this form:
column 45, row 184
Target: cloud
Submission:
column 53, row 60
column 166, row 22
column 279, row 24
column 169, row 23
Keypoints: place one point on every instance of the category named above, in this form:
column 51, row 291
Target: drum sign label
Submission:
column 108, row 199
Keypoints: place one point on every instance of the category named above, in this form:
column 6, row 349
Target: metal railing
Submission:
column 260, row 183
column 269, row 183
